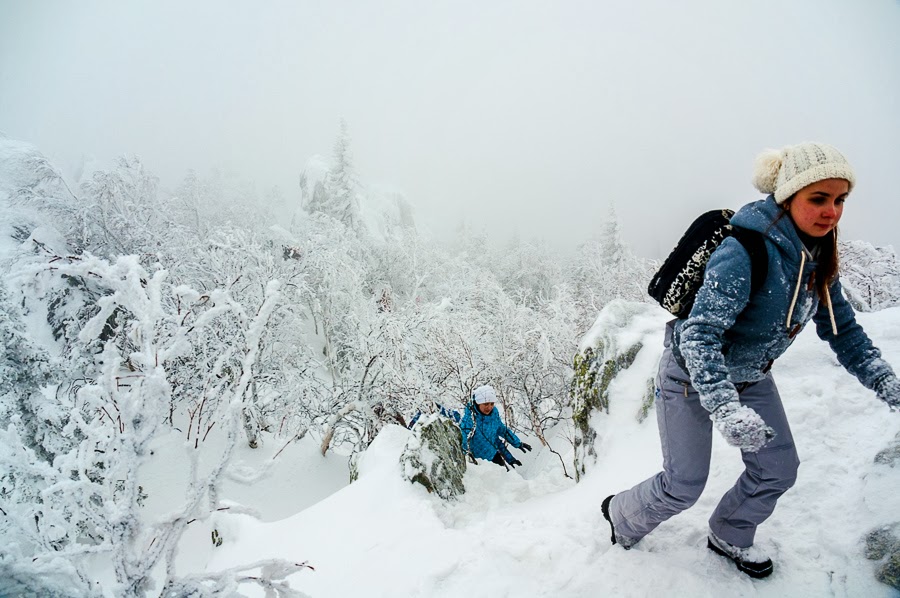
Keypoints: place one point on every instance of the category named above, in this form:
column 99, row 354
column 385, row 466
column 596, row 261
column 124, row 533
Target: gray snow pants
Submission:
column 686, row 430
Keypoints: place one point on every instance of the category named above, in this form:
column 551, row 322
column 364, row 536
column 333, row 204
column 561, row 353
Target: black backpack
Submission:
column 675, row 284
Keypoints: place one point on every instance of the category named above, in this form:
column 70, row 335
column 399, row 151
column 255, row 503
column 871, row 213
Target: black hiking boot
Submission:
column 752, row 560
column 615, row 538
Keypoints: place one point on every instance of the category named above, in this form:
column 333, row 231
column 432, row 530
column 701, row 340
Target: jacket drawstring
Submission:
column 830, row 311
column 796, row 289
column 797, row 292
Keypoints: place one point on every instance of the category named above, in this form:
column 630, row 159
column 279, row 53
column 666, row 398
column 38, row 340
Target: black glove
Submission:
column 498, row 459
column 525, row 447
column 515, row 462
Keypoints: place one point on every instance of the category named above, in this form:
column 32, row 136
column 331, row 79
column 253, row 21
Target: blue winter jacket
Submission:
column 483, row 435
column 732, row 337
column 448, row 413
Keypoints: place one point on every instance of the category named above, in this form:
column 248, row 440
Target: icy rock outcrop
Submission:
column 610, row 348
column 883, row 545
column 434, row 458
column 890, row 455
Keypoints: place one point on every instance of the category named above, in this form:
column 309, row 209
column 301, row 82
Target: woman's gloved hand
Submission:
column 888, row 390
column 742, row 426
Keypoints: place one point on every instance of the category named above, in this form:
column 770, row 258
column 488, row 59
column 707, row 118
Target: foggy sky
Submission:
column 520, row 117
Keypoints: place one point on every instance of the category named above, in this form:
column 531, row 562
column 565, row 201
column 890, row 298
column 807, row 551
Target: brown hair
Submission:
column 827, row 263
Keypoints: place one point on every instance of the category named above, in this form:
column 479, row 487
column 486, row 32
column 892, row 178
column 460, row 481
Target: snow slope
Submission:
column 532, row 532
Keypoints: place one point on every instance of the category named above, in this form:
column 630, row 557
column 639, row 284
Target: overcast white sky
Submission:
column 520, row 116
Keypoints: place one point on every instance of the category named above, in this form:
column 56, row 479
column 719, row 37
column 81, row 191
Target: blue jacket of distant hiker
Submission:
column 483, row 435
column 448, row 413
column 732, row 335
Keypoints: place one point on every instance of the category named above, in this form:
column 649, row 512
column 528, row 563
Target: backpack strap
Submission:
column 755, row 244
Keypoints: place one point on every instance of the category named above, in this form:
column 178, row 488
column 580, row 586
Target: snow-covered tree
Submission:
column 338, row 195
column 85, row 502
column 30, row 178
column 537, row 364
column 529, row 271
column 121, row 212
column 194, row 204
column 870, row 275
column 204, row 204
column 605, row 269
column 25, row 371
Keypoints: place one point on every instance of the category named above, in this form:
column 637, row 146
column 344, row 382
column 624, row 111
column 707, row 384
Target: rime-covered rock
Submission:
column 610, row 348
column 434, row 458
column 889, row 572
column 880, row 543
column 883, row 544
column 890, row 455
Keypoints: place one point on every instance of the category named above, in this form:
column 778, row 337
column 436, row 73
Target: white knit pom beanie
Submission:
column 786, row 171
column 484, row 394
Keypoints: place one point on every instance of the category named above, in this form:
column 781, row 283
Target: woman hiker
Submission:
column 483, row 432
column 715, row 366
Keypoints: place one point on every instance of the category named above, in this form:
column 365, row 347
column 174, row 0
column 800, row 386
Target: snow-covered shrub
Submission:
column 283, row 379
column 86, row 501
column 535, row 350
column 25, row 370
column 870, row 275
column 30, row 179
column 604, row 269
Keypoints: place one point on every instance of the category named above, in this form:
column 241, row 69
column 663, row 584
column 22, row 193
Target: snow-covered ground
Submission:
column 532, row 532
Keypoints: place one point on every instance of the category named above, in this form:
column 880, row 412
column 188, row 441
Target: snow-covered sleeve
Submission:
column 851, row 345
column 722, row 297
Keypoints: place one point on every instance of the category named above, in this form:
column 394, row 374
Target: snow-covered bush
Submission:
column 85, row 502
column 870, row 275
column 25, row 370
column 243, row 263
column 605, row 269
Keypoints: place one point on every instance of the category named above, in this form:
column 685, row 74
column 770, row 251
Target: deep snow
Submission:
column 532, row 532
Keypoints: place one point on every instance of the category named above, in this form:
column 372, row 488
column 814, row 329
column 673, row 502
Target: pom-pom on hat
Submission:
column 484, row 394
column 786, row 171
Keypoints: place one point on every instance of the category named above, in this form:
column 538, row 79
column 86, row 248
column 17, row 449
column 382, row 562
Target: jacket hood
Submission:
column 761, row 216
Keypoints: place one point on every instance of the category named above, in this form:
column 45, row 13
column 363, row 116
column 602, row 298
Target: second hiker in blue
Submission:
column 484, row 433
